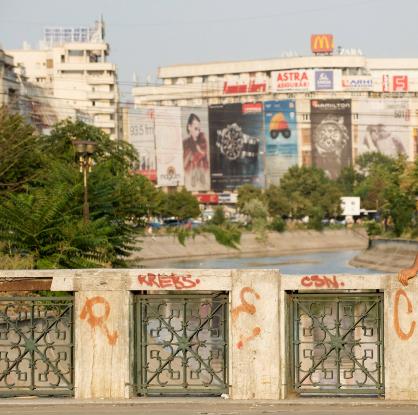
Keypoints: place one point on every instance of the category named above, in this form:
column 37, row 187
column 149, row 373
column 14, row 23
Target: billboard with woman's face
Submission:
column 331, row 135
column 384, row 127
column 236, row 144
column 194, row 127
column 281, row 139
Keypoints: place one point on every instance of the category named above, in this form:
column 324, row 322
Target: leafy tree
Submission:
column 277, row 201
column 257, row 211
column 307, row 188
column 218, row 216
column 20, row 152
column 182, row 205
column 44, row 225
column 248, row 192
column 390, row 186
column 348, row 180
column 278, row 224
column 46, row 221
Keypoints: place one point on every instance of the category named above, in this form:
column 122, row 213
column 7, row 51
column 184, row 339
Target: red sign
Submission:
column 207, row 198
column 252, row 107
column 322, row 43
column 149, row 174
column 244, row 87
column 400, row 83
column 294, row 80
column 395, row 83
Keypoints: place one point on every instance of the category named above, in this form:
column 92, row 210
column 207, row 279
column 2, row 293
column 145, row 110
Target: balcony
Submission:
column 86, row 66
column 104, row 123
column 101, row 80
column 101, row 95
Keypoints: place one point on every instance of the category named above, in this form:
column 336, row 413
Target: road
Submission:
column 206, row 408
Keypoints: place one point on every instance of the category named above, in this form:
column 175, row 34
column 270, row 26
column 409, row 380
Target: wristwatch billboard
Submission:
column 331, row 135
column 235, row 145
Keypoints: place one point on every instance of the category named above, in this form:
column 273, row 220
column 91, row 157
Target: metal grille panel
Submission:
column 181, row 343
column 338, row 344
column 36, row 346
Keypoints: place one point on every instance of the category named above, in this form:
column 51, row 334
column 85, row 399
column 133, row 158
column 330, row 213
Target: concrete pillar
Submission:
column 101, row 324
column 254, row 339
column 401, row 340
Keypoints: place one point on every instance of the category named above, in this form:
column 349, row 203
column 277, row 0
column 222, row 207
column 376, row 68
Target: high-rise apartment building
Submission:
column 72, row 70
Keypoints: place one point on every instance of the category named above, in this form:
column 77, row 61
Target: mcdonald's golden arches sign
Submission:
column 322, row 43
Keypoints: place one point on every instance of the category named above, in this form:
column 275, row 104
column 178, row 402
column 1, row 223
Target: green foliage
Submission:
column 278, row 202
column 256, row 209
column 307, row 188
column 315, row 219
column 20, row 153
column 45, row 222
column 248, row 192
column 348, row 180
column 390, row 186
column 182, row 205
column 278, row 224
column 373, row 228
column 218, row 216
column 228, row 235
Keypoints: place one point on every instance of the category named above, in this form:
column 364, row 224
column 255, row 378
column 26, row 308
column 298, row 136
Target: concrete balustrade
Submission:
column 259, row 324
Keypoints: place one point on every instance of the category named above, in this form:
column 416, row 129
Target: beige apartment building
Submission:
column 72, row 70
column 9, row 83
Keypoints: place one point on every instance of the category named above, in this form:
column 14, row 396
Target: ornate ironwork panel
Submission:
column 338, row 344
column 181, row 343
column 36, row 346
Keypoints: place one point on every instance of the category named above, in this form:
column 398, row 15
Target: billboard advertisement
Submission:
column 235, row 132
column 195, row 132
column 292, row 80
column 357, row 83
column 322, row 43
column 168, row 134
column 324, row 80
column 141, row 133
column 281, row 139
column 384, row 127
column 331, row 135
column 395, row 83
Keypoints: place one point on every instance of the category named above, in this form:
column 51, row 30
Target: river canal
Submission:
column 334, row 262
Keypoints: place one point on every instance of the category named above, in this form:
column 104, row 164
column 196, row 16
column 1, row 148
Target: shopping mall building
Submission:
column 262, row 116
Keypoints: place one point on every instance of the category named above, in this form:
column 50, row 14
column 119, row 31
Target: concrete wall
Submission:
column 259, row 355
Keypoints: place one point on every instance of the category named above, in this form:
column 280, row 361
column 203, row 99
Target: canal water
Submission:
column 334, row 262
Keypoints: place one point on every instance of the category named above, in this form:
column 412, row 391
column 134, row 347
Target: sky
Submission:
column 144, row 35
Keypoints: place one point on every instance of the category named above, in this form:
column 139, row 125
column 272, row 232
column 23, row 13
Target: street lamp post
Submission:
column 85, row 150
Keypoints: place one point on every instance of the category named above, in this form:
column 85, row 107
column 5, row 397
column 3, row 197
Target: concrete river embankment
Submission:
column 286, row 243
column 388, row 255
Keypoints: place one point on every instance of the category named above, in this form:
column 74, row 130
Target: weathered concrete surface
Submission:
column 213, row 406
column 102, row 355
column 291, row 242
column 259, row 321
column 387, row 255
column 254, row 342
column 401, row 340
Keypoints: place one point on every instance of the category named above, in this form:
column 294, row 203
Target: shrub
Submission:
column 278, row 224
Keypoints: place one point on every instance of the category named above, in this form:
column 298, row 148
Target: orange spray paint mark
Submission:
column 401, row 334
column 98, row 321
column 246, row 307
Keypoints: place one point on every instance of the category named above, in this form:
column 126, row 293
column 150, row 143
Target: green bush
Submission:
column 278, row 224
column 218, row 216
column 373, row 228
column 315, row 219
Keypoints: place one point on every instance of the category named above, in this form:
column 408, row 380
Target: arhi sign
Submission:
column 322, row 43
